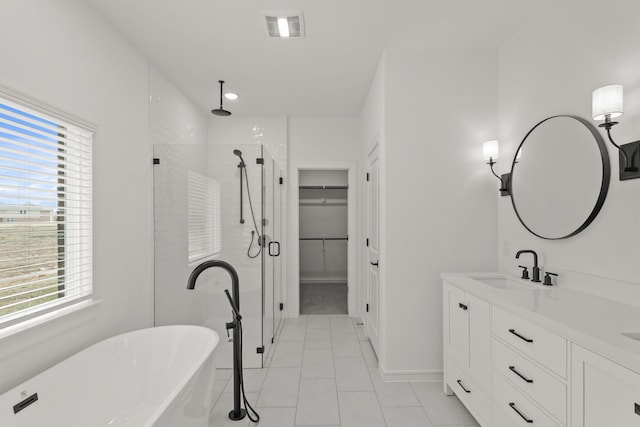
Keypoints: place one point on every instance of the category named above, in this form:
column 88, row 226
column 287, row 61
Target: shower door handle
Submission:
column 271, row 252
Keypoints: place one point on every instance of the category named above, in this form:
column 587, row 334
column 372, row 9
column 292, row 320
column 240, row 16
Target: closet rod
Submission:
column 324, row 187
column 324, row 238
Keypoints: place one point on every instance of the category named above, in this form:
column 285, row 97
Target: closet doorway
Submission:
column 323, row 222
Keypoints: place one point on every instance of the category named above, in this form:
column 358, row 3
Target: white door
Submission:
column 603, row 392
column 458, row 338
column 373, row 231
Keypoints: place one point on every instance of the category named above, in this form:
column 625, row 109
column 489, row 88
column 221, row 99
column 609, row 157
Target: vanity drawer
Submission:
column 518, row 408
column 532, row 380
column 469, row 393
column 544, row 347
column 500, row 419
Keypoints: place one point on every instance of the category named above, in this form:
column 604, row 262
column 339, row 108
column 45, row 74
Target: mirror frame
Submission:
column 604, row 186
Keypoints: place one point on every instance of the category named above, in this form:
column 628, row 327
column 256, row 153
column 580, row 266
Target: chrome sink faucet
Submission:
column 535, row 276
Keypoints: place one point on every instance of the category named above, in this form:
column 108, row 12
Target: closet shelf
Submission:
column 323, row 194
column 323, row 202
column 324, row 238
column 324, row 187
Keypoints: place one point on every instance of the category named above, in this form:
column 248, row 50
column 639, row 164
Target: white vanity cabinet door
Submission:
column 458, row 332
column 480, row 342
column 470, row 394
column 467, row 331
column 603, row 393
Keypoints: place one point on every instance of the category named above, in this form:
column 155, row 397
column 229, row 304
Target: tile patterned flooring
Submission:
column 323, row 373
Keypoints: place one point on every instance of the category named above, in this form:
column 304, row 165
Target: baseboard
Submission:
column 429, row 376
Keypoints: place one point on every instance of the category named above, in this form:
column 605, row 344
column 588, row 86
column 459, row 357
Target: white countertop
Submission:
column 587, row 320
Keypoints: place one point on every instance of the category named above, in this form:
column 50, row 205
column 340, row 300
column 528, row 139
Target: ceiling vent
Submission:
column 281, row 24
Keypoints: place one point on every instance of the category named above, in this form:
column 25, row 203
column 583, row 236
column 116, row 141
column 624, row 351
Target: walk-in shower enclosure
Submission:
column 197, row 218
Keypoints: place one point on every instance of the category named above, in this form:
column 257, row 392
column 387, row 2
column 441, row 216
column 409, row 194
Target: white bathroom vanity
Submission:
column 522, row 354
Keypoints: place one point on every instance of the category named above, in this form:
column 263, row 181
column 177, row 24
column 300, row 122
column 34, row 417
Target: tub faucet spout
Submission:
column 535, row 275
column 191, row 283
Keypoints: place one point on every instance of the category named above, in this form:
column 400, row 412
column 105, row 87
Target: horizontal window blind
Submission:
column 45, row 211
column 203, row 211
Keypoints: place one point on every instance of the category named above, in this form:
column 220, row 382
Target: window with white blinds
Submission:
column 45, row 211
column 203, row 213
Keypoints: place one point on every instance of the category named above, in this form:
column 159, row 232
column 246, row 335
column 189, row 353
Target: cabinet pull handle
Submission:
column 462, row 306
column 463, row 387
column 513, row 369
column 513, row 331
column 513, row 406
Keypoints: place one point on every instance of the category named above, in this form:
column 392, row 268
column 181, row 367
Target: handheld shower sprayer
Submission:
column 239, row 154
column 243, row 171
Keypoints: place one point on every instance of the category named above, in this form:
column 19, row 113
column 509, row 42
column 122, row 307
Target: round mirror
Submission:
column 559, row 177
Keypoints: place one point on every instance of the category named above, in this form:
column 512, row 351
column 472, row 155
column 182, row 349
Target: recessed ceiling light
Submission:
column 284, row 24
column 283, row 27
column 231, row 96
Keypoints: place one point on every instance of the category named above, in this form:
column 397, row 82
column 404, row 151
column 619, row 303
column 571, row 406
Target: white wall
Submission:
column 549, row 67
column 62, row 53
column 321, row 143
column 438, row 198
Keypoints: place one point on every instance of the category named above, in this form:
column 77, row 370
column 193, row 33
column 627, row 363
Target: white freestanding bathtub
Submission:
column 161, row 377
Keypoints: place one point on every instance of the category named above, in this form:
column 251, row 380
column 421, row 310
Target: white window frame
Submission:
column 78, row 235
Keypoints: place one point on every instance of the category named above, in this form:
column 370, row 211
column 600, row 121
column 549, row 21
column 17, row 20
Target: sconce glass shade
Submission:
column 607, row 101
column 490, row 150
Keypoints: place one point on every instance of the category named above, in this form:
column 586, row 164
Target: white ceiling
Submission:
column 198, row 42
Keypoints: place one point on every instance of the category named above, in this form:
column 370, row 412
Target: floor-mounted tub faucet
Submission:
column 536, row 270
column 237, row 413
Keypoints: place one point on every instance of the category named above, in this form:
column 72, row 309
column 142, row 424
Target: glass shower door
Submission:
column 200, row 214
column 268, row 250
column 278, row 237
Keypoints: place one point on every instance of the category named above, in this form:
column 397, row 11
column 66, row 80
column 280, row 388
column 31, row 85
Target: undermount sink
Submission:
column 505, row 283
column 632, row 335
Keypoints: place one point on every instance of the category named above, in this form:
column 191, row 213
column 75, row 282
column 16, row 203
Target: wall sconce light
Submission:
column 607, row 105
column 491, row 153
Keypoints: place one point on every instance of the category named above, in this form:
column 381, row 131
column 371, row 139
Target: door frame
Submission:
column 293, row 259
column 377, row 342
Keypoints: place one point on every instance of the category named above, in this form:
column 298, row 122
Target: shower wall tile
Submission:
column 173, row 117
column 271, row 131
